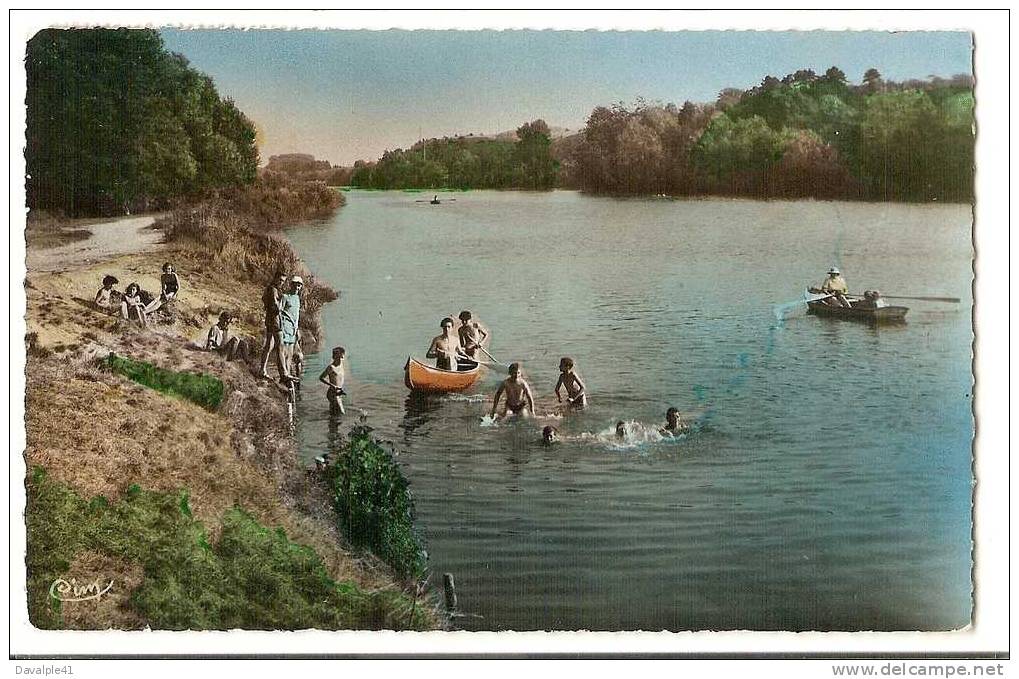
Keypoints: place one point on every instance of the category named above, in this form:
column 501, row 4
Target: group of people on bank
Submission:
column 133, row 303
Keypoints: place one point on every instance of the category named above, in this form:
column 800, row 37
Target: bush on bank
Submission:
column 373, row 500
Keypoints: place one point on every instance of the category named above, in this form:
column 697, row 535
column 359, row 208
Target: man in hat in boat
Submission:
column 445, row 348
column 836, row 287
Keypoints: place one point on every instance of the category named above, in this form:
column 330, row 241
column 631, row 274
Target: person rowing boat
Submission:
column 836, row 288
column 472, row 334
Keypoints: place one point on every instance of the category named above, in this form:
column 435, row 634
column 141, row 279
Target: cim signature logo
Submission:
column 62, row 590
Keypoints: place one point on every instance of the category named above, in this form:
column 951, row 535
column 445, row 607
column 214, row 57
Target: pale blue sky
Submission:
column 345, row 95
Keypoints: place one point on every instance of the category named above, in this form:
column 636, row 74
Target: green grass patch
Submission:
column 254, row 577
column 203, row 389
column 373, row 500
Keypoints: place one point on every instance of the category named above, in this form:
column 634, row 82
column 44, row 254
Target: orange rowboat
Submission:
column 420, row 377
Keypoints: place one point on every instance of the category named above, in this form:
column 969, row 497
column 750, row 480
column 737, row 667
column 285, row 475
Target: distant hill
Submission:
column 306, row 167
column 296, row 162
column 511, row 135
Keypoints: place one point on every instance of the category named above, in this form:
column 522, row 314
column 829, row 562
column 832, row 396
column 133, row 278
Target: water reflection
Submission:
column 419, row 409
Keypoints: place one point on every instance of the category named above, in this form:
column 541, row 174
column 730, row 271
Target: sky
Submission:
column 349, row 95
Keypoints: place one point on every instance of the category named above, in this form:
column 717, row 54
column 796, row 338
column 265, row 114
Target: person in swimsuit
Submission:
column 133, row 302
column 169, row 284
column 549, row 435
column 576, row 396
column 104, row 295
column 519, row 400
column 272, row 300
column 219, row 339
column 472, row 334
column 445, row 348
column 333, row 377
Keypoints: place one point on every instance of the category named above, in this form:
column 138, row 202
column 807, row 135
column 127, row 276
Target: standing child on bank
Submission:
column 333, row 377
column 576, row 395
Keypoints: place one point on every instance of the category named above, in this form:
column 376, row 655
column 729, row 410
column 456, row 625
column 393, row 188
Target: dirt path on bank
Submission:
column 110, row 239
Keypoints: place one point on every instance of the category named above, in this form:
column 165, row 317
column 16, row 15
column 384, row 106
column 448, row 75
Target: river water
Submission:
column 826, row 484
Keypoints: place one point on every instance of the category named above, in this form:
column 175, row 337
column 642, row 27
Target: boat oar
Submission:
column 953, row 300
column 491, row 356
column 780, row 309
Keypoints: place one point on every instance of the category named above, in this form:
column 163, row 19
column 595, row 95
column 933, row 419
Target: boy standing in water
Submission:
column 519, row 400
column 576, row 397
column 333, row 377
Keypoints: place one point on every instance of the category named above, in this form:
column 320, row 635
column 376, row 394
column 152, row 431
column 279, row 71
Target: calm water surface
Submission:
column 827, row 484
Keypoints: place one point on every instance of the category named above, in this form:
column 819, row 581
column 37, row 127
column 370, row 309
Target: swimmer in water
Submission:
column 620, row 429
column 519, row 400
column 674, row 424
column 549, row 435
column 576, row 396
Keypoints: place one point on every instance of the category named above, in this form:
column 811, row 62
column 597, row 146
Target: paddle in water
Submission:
column 781, row 309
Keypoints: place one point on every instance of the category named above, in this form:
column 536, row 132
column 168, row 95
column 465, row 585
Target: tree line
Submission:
column 466, row 162
column 116, row 123
column 805, row 135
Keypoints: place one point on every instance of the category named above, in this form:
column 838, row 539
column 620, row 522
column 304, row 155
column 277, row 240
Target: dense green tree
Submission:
column 465, row 163
column 909, row 149
column 735, row 155
column 872, row 80
column 535, row 165
column 116, row 122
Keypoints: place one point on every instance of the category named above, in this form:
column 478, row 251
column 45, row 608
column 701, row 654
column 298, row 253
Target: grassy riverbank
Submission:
column 198, row 512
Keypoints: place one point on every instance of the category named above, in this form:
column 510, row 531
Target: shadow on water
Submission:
column 419, row 410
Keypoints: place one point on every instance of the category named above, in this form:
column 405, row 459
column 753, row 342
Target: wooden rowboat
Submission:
column 886, row 314
column 420, row 377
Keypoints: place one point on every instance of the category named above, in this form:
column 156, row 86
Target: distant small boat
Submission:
column 420, row 377
column 885, row 314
